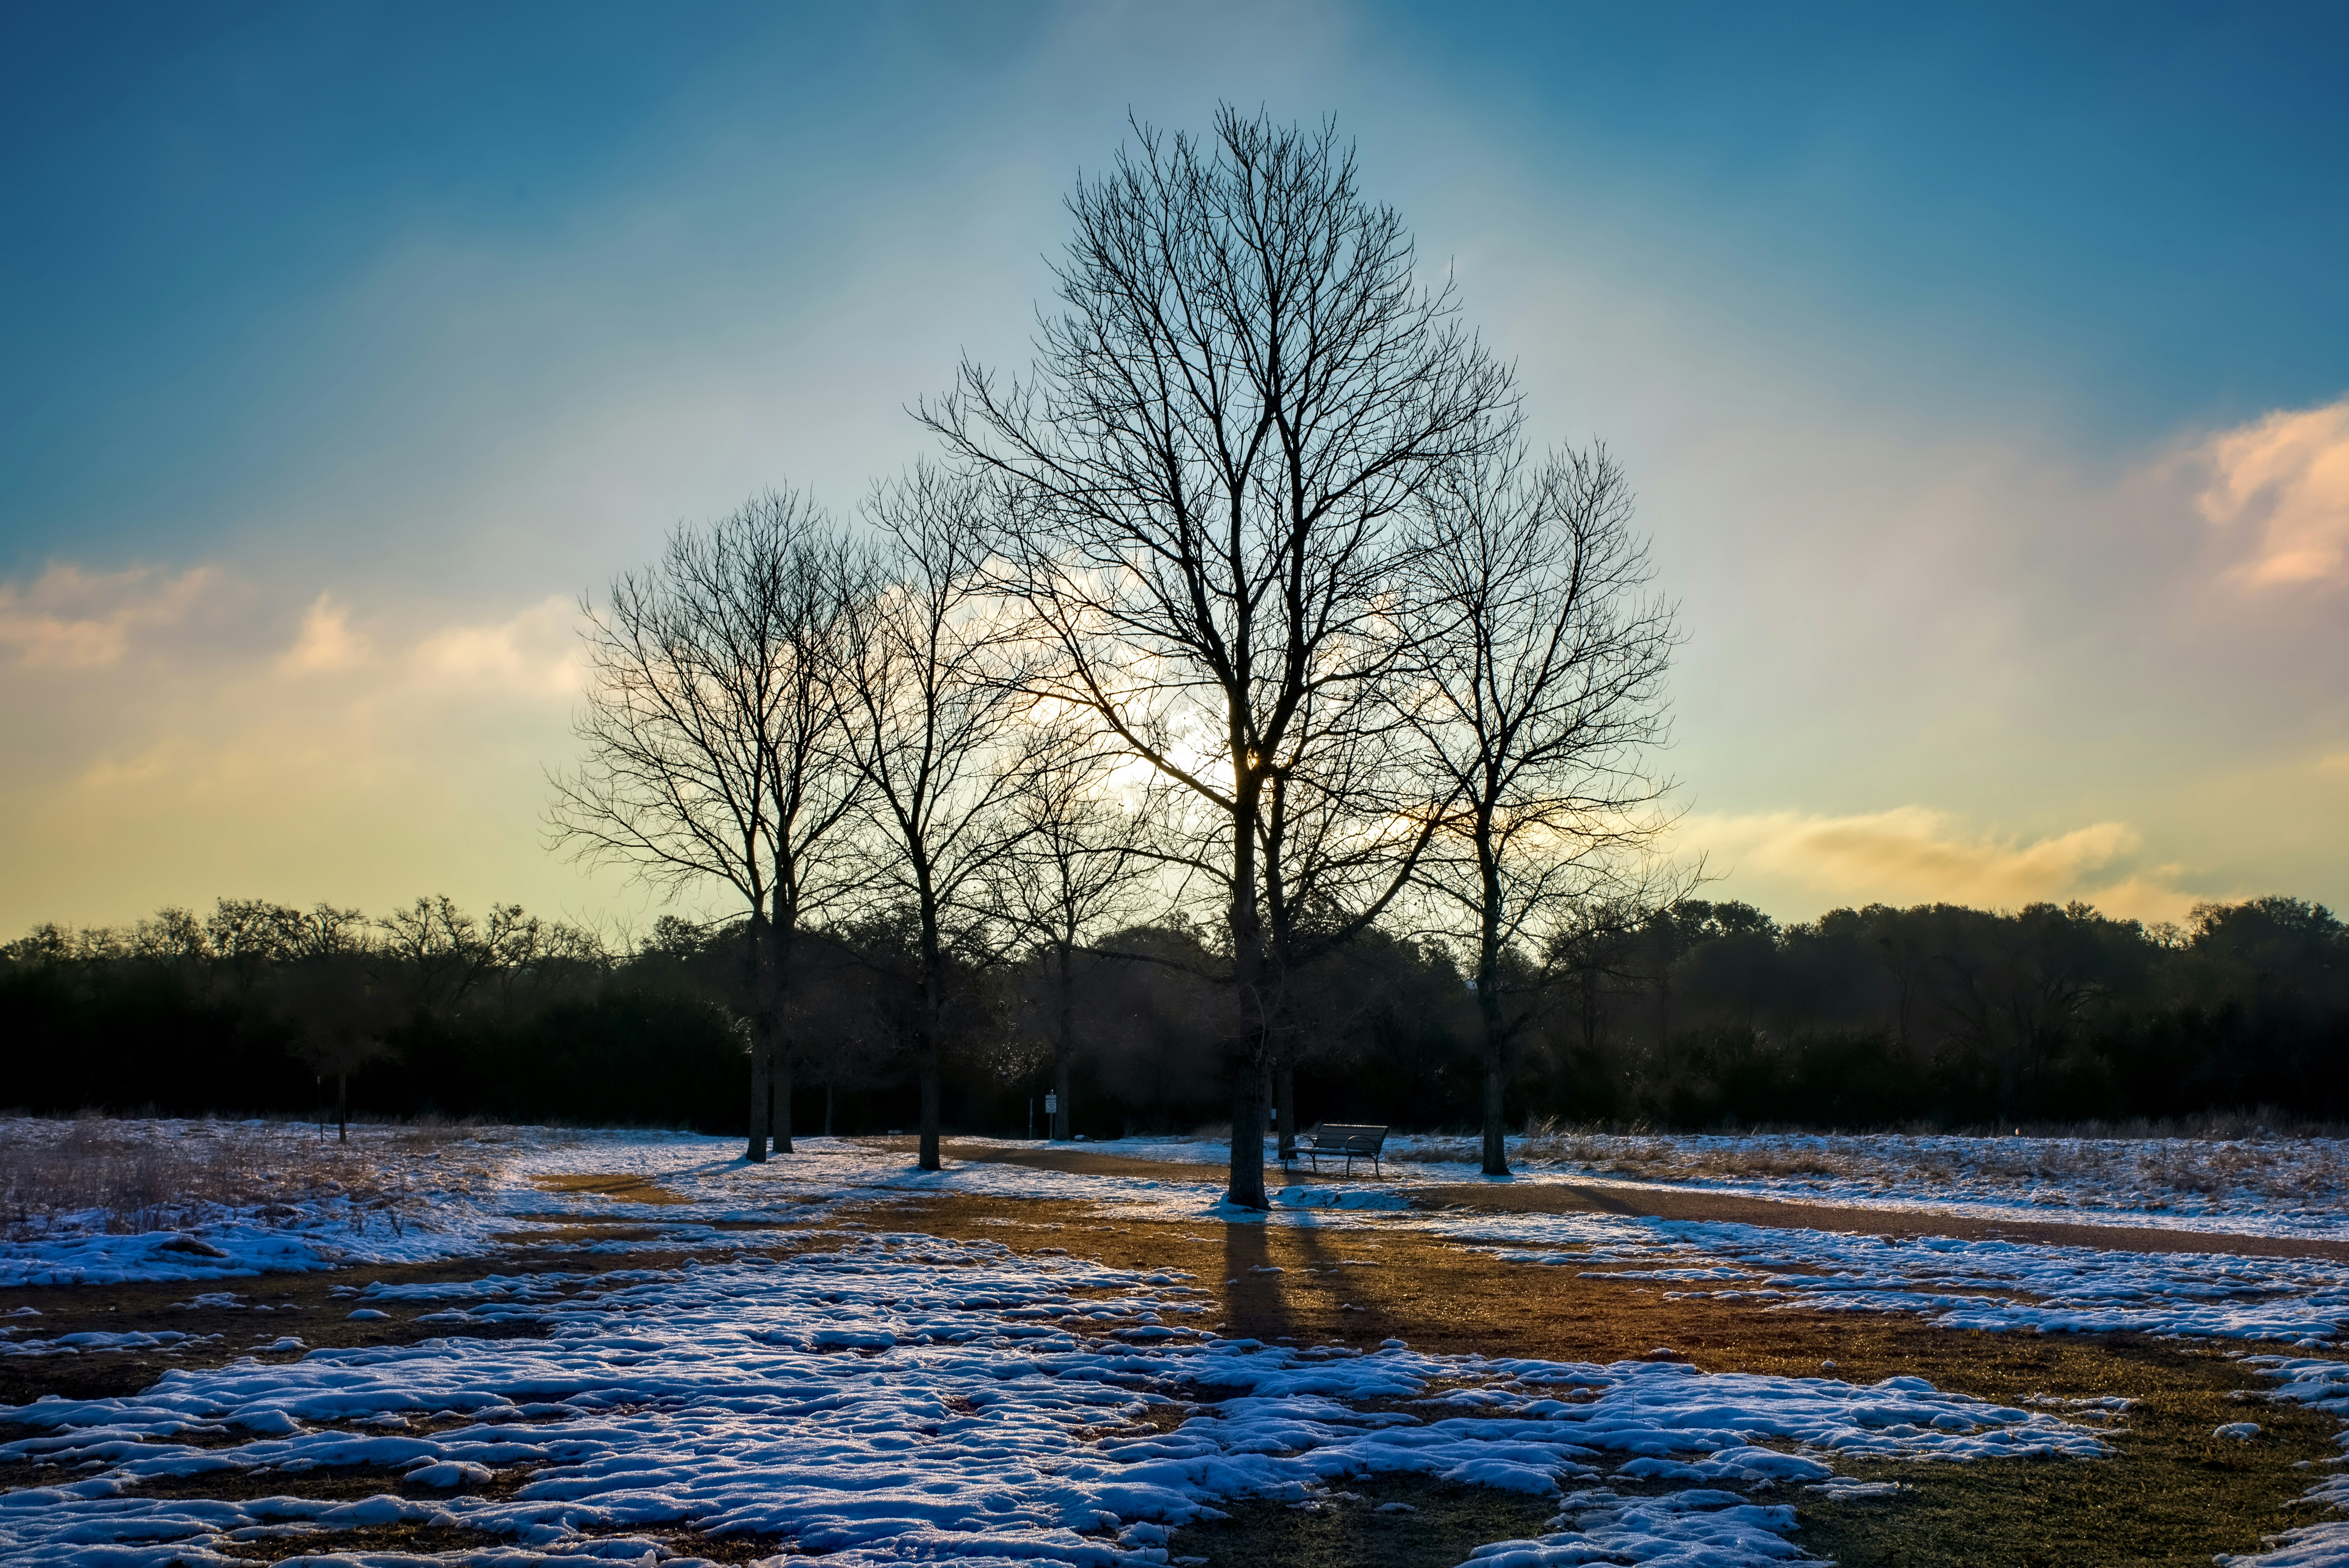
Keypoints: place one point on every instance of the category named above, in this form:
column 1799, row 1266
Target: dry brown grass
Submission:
column 2169, row 1495
column 623, row 1186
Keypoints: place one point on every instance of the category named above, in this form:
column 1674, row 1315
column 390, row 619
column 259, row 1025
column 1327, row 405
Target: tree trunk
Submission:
column 756, row 1152
column 1063, row 1048
column 1245, row 1189
column 775, row 983
column 929, row 1157
column 1488, row 999
column 827, row 1107
column 1496, row 1149
column 780, row 1076
column 928, row 1049
column 755, row 959
column 1284, row 1100
column 343, row 1106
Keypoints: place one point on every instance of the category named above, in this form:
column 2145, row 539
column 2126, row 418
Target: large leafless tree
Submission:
column 937, row 725
column 1538, row 696
column 715, row 751
column 1246, row 388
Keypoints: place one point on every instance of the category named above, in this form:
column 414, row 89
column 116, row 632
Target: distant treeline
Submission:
column 1702, row 1016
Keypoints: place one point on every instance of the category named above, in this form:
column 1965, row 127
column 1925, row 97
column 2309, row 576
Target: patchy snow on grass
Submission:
column 898, row 1395
column 2321, row 1385
column 1989, row 1285
column 98, row 1202
column 2259, row 1186
column 887, row 1397
column 2253, row 1186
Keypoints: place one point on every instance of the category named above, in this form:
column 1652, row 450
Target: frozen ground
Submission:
column 702, row 1185
column 893, row 1397
column 397, row 1196
column 2256, row 1186
column 896, row 1396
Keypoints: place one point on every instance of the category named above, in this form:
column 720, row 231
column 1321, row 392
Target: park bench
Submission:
column 1339, row 1140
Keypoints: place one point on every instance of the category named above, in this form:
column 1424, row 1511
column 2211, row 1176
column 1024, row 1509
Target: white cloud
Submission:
column 1913, row 855
column 2285, row 480
column 69, row 618
column 534, row 653
column 327, row 643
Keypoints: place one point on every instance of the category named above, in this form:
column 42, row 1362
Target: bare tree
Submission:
column 441, row 951
column 715, row 749
column 1079, row 869
column 1538, row 693
column 247, row 936
column 342, row 1013
column 1245, row 389
column 936, row 724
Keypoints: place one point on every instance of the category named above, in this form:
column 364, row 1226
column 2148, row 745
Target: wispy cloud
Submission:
column 71, row 618
column 2283, row 482
column 327, row 644
column 1915, row 855
column 178, row 736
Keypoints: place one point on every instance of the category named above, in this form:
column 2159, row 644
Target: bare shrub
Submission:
column 94, row 1173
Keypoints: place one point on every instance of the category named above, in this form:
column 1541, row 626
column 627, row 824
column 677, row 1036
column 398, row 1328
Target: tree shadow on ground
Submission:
column 1384, row 1522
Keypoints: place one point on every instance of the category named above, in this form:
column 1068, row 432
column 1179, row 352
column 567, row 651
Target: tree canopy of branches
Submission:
column 715, row 749
column 1208, row 475
column 935, row 726
column 1076, row 874
column 1536, row 694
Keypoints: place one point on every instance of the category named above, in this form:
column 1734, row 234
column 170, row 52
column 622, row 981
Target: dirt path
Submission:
column 1692, row 1204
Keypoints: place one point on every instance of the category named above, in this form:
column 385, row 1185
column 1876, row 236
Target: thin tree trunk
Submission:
column 827, row 1107
column 1063, row 1048
column 1284, row 1101
column 756, row 1152
column 780, row 1079
column 343, row 1106
column 928, row 1048
column 1489, row 1003
column 762, row 1036
column 1496, row 1149
column 775, row 983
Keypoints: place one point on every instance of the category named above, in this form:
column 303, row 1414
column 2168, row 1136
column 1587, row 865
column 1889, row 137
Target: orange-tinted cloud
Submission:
column 1913, row 855
column 2283, row 480
column 179, row 737
column 69, row 618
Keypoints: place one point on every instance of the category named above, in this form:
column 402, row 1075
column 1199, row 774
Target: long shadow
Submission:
column 1256, row 1302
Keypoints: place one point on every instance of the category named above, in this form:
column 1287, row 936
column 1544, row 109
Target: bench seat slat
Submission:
column 1349, row 1141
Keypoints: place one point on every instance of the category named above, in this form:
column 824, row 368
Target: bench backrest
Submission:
column 1342, row 1135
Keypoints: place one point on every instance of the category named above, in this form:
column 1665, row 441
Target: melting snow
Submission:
column 899, row 1396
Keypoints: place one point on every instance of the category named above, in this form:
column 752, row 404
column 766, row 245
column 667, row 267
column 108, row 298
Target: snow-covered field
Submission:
column 893, row 1396
column 888, row 1397
column 2257, row 1186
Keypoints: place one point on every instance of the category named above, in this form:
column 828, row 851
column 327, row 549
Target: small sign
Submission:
column 1051, row 1104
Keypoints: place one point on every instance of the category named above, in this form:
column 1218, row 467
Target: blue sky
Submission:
column 1978, row 371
